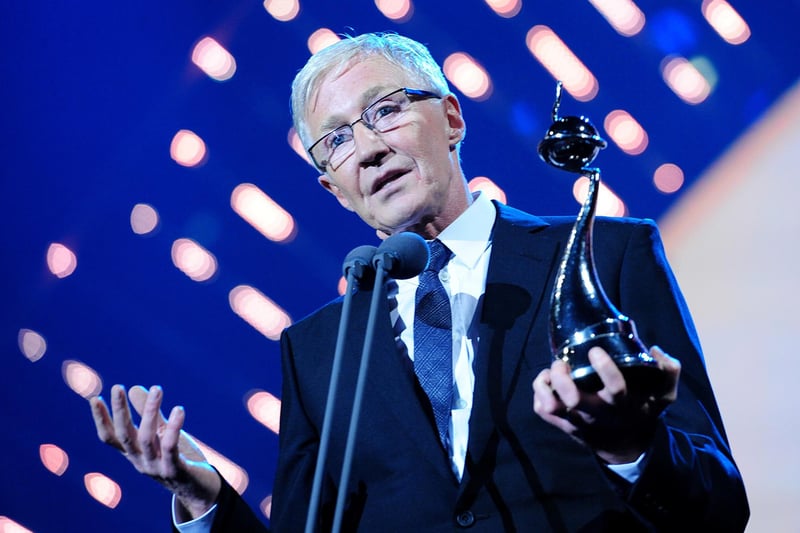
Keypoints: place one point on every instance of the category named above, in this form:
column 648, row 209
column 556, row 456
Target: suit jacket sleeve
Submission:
column 689, row 478
column 233, row 513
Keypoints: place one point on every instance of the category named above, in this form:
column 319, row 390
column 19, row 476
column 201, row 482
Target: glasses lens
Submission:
column 385, row 113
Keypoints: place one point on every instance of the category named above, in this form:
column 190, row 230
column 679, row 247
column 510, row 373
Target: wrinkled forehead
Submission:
column 339, row 95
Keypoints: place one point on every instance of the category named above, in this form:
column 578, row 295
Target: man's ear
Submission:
column 457, row 128
column 332, row 188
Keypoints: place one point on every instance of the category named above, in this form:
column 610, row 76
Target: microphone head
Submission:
column 359, row 261
column 402, row 255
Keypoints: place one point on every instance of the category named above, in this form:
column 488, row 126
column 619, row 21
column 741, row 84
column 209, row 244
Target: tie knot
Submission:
column 440, row 254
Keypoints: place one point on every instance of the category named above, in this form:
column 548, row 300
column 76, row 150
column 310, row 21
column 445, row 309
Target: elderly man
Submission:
column 503, row 440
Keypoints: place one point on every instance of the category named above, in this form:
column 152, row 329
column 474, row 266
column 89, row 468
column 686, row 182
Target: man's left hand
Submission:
column 614, row 423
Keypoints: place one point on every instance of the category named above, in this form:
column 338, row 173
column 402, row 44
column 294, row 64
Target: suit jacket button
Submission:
column 465, row 519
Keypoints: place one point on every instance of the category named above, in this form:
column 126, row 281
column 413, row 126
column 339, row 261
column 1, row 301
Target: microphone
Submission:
column 359, row 261
column 402, row 256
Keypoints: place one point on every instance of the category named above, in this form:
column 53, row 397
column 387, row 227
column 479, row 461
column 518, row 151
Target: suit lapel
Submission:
column 391, row 379
column 521, row 263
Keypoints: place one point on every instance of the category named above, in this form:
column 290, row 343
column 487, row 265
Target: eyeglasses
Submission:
column 381, row 116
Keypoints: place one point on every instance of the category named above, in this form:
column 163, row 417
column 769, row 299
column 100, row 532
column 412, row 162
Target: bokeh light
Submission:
column 505, row 8
column 626, row 132
column 81, row 378
column 297, row 145
column 726, row 21
column 468, row 76
column 266, row 506
column 396, row 10
column 562, row 63
column 213, row 59
column 144, row 219
column 31, row 344
column 282, row 10
column 9, row 526
column 265, row 408
column 103, row 489
column 193, row 260
column 235, row 475
column 263, row 213
column 685, row 80
column 668, row 178
column 188, row 149
column 259, row 311
column 321, row 38
column 61, row 261
column 54, row 458
column 608, row 203
column 623, row 15
column 487, row 187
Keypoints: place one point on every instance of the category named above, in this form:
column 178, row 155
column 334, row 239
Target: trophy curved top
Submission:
column 571, row 143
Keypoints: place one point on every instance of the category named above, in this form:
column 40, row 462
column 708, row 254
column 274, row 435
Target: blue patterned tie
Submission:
column 433, row 339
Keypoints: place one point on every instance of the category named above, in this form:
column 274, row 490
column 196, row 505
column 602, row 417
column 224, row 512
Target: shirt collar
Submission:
column 469, row 235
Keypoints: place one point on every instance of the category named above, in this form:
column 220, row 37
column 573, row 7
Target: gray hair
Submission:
column 408, row 54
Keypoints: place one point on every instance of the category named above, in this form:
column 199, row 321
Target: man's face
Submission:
column 405, row 179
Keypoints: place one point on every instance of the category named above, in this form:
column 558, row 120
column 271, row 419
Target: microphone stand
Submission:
column 353, row 272
column 378, row 292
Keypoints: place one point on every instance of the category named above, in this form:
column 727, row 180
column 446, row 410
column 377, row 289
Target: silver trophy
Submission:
column 581, row 316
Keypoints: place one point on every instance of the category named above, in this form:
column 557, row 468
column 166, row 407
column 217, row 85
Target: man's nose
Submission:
column 369, row 144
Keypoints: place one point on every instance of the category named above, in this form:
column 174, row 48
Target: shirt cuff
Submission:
column 629, row 471
column 201, row 524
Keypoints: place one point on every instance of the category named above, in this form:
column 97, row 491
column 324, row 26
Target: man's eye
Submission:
column 385, row 109
column 337, row 138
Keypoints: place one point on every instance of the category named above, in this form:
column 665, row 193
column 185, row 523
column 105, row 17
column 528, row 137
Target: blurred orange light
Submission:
column 726, row 21
column 144, row 219
column 265, row 408
column 259, row 311
column 234, row 474
column 505, row 8
column 263, row 213
column 685, row 80
column 626, row 132
column 214, row 59
column 608, row 203
column 466, row 74
column 81, row 378
column 322, row 38
column 562, row 64
column 623, row 15
column 54, row 458
column 282, row 10
column 668, row 178
column 187, row 149
column 193, row 260
column 297, row 145
column 396, row 10
column 103, row 489
column 9, row 526
column 61, row 260
column 487, row 187
column 31, row 344
column 266, row 506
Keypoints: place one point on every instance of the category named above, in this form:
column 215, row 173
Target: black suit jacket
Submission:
column 521, row 473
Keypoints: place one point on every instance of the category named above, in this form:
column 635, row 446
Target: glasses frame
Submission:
column 414, row 95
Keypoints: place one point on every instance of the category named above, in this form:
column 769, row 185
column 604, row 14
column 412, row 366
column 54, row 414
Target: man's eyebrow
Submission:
column 367, row 98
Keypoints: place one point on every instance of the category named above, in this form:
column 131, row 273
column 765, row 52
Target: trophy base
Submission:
column 643, row 379
column 618, row 338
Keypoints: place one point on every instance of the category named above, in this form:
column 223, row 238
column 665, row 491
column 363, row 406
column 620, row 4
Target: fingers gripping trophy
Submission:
column 581, row 315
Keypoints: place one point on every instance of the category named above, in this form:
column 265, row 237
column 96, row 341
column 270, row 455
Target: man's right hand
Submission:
column 158, row 448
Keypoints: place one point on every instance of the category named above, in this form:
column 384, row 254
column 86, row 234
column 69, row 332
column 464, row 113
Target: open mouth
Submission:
column 385, row 180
